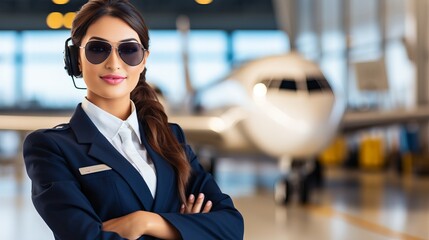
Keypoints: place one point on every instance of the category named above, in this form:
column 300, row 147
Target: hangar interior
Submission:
column 373, row 181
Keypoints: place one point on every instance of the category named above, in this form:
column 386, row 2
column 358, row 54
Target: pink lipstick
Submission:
column 113, row 79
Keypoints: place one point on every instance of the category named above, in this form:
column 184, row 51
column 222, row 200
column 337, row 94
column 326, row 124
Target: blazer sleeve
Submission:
column 224, row 221
column 56, row 193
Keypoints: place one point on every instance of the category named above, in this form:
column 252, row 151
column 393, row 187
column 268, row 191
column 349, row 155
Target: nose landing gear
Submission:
column 302, row 177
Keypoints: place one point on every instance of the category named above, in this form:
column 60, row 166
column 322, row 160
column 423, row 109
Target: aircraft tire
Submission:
column 304, row 190
column 282, row 191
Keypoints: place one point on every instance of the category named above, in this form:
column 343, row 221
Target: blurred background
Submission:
column 367, row 177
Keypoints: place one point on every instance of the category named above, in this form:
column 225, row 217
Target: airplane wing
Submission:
column 365, row 119
column 222, row 132
column 205, row 130
column 31, row 122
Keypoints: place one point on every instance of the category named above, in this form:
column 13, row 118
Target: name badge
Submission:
column 94, row 169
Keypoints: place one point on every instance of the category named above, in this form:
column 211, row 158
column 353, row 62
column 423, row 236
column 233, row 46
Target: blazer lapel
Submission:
column 165, row 176
column 87, row 133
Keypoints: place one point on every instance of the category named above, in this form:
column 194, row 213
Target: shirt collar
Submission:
column 109, row 124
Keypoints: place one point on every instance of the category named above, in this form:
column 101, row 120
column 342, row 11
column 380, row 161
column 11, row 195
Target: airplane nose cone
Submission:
column 293, row 125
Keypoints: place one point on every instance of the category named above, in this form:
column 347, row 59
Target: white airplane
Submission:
column 279, row 106
column 283, row 107
column 287, row 110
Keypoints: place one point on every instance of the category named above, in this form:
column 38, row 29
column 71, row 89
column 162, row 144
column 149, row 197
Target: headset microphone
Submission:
column 71, row 53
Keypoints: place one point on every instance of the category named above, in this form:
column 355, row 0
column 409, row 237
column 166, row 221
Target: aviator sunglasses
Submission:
column 97, row 51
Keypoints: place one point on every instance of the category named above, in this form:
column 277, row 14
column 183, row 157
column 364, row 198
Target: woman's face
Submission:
column 112, row 79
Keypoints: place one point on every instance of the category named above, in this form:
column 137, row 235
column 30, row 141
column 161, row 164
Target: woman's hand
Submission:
column 136, row 224
column 196, row 205
column 129, row 226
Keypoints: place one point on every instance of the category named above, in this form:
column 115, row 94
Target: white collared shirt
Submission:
column 109, row 126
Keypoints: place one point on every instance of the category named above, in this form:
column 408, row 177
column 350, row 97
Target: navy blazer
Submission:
column 74, row 206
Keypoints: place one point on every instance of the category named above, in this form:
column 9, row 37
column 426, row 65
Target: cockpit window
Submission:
column 318, row 84
column 288, row 85
column 284, row 84
column 314, row 84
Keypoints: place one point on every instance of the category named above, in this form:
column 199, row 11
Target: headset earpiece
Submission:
column 71, row 53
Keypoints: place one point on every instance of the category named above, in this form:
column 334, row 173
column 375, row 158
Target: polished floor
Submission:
column 352, row 205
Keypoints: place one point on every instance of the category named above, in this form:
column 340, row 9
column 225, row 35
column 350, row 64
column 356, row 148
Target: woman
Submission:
column 118, row 169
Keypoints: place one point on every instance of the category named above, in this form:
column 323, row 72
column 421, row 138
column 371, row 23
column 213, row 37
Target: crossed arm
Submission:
column 139, row 223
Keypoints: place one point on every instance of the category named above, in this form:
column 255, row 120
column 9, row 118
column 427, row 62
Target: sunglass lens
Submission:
column 131, row 53
column 96, row 51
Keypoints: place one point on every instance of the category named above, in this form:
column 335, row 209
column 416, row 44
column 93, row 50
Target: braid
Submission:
column 160, row 137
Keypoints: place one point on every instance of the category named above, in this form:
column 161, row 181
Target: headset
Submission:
column 71, row 63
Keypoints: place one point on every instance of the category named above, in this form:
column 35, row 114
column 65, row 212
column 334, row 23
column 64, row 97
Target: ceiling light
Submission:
column 54, row 20
column 60, row 2
column 204, row 2
column 68, row 19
